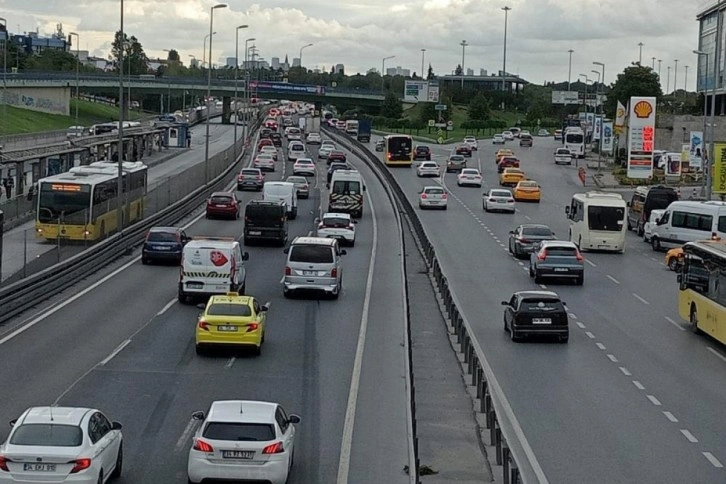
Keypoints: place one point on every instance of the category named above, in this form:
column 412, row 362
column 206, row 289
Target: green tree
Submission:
column 479, row 107
column 392, row 106
column 430, row 76
column 52, row 60
column 459, row 70
column 135, row 60
column 633, row 81
column 173, row 56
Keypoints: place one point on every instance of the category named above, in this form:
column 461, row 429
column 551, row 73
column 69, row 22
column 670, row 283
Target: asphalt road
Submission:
column 20, row 244
column 633, row 397
column 122, row 343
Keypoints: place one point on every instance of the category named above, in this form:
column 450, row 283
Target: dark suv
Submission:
column 276, row 139
column 265, row 220
column 536, row 313
column 163, row 244
column 422, row 152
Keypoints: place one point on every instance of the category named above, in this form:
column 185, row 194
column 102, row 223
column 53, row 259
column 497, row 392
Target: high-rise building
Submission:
column 296, row 62
column 339, row 69
column 275, row 62
column 482, row 72
column 706, row 79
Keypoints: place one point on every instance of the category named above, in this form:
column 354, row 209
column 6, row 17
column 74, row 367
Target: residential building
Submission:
column 482, row 72
column 33, row 43
column 469, row 71
column 709, row 35
column 398, row 71
column 275, row 63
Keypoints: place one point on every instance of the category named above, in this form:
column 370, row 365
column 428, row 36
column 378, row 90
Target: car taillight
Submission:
column 579, row 257
column 288, row 271
column 351, row 227
column 334, row 272
column 202, row 446
column 510, row 200
column 542, row 255
column 443, row 196
column 259, row 177
column 275, row 448
column 523, row 240
column 80, row 464
column 252, row 327
column 714, row 236
column 203, row 325
column 492, row 199
column 4, row 463
column 423, row 196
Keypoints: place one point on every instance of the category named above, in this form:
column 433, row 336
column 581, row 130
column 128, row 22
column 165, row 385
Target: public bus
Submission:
column 399, row 150
column 702, row 288
column 81, row 203
column 597, row 221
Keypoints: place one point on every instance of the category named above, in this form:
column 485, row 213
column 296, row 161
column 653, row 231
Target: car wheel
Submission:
column 655, row 243
column 511, row 251
column 639, row 230
column 242, row 289
column 119, row 462
column 693, row 321
column 183, row 298
column 673, row 264
column 627, row 221
column 537, row 278
column 287, row 293
column 485, row 207
column 580, row 280
column 531, row 271
column 513, row 335
column 257, row 351
column 351, row 243
column 100, row 477
column 199, row 349
column 145, row 261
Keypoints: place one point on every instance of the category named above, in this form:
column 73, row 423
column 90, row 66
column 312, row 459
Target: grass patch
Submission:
column 459, row 115
column 25, row 121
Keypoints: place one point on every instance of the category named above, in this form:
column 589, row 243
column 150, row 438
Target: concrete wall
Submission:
column 670, row 129
column 53, row 100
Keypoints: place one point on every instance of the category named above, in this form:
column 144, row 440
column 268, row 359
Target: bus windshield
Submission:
column 608, row 219
column 575, row 138
column 399, row 148
column 72, row 201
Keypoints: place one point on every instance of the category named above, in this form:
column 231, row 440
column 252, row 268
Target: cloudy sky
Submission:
column 359, row 33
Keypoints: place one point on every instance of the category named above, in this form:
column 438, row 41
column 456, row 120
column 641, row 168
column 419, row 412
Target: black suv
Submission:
column 265, row 220
column 276, row 139
column 422, row 152
column 536, row 313
column 163, row 244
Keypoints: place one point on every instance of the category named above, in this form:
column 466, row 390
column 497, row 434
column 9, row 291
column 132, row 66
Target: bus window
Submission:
column 609, row 219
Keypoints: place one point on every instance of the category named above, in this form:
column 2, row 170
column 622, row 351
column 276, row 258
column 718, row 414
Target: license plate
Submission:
column 541, row 321
column 255, row 232
column 195, row 285
column 603, row 246
column 227, row 327
column 161, row 247
column 501, row 201
column 221, row 206
column 561, row 269
column 238, row 454
column 39, row 467
column 310, row 273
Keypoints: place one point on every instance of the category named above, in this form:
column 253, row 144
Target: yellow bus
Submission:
column 702, row 295
column 81, row 203
column 399, row 150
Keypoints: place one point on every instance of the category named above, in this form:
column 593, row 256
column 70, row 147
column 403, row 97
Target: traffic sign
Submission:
column 440, row 140
column 432, row 123
column 440, row 132
column 450, row 123
column 440, row 107
column 440, row 125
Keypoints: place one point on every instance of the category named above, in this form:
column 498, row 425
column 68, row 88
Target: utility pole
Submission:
column 463, row 45
column 569, row 70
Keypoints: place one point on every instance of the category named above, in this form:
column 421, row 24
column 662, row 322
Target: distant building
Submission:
column 469, row 71
column 339, row 69
column 275, row 63
column 296, row 62
column 482, row 72
column 33, row 43
column 230, row 61
column 372, row 70
column 82, row 56
column 194, row 63
column 398, row 71
column 706, row 80
column 98, row 63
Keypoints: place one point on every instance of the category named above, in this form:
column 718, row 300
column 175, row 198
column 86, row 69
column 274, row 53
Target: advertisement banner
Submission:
column 590, row 120
column 695, row 150
column 685, row 154
column 433, row 95
column 641, row 137
column 607, row 137
column 719, row 168
column 415, row 91
column 566, row 97
column 598, row 127
column 619, row 118
column 672, row 164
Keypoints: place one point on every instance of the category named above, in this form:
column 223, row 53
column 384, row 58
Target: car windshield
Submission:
column 336, row 221
column 537, row 231
column 469, row 171
column 225, row 309
column 434, row 191
column 304, row 162
column 314, row 254
column 264, row 156
column 562, row 251
column 500, row 193
column 162, row 237
column 239, row 432
column 528, row 184
column 511, row 171
column 221, row 199
column 296, row 179
column 563, row 151
column 547, row 305
column 429, row 165
column 251, row 172
column 297, row 147
column 456, row 158
column 47, row 435
column 609, row 219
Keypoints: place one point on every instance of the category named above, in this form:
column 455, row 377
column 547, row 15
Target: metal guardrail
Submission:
column 513, row 453
column 27, row 293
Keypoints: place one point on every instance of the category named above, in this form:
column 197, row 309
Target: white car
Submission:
column 470, row 177
column 243, row 440
column 62, row 444
column 498, row 200
column 543, row 132
column 304, row 166
column 314, row 139
column 655, row 214
column 471, row 142
column 563, row 156
column 428, row 168
column 524, row 133
column 324, row 151
column 433, row 197
column 338, row 226
column 328, row 142
column 498, row 139
column 295, row 150
column 508, row 135
column 270, row 150
column 264, row 161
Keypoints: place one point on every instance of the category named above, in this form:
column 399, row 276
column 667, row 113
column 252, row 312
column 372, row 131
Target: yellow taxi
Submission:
column 501, row 154
column 511, row 176
column 674, row 259
column 233, row 321
column 528, row 191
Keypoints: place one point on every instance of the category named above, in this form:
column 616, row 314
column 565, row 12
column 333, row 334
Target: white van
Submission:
column 212, row 265
column 284, row 191
column 295, row 150
column 688, row 221
column 597, row 221
column 346, row 193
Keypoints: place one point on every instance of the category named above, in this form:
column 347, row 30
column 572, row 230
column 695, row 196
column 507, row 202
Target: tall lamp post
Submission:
column 248, row 95
column 675, row 78
column 685, row 81
column 659, row 62
column 423, row 53
column 653, row 65
column 300, row 57
column 78, row 61
column 120, row 151
column 668, row 81
column 602, row 117
column 584, row 99
column 383, row 70
column 706, row 155
column 640, row 53
column 236, row 75
column 463, row 45
column 5, row 73
column 209, row 89
column 504, row 62
column 569, row 69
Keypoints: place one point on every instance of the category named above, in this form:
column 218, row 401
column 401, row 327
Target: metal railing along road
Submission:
column 28, row 292
column 519, row 465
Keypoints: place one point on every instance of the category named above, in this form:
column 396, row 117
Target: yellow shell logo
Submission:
column 620, row 112
column 643, row 109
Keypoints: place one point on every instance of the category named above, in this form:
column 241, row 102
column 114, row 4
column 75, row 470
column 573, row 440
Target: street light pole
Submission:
column 685, row 81
column 300, row 57
column 640, row 53
column 423, row 52
column 5, row 74
column 504, row 62
column 705, row 182
column 236, row 75
column 569, row 69
column 659, row 61
column 463, row 45
column 653, row 66
column 668, row 81
column 383, row 70
column 602, row 116
column 120, row 150
column 248, row 95
column 78, row 61
column 209, row 90
column 675, row 79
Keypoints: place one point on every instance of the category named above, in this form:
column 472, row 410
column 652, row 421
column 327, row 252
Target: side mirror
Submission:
column 627, row 204
column 354, row 221
column 343, row 252
column 12, row 422
column 245, row 256
column 294, row 419
column 567, row 210
column 265, row 307
column 201, row 306
column 505, row 303
column 198, row 415
column 286, row 250
column 327, row 185
column 511, row 232
column 364, row 188
column 116, row 426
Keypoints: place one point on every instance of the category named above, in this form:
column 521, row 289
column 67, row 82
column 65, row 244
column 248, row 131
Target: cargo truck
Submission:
column 312, row 125
column 364, row 131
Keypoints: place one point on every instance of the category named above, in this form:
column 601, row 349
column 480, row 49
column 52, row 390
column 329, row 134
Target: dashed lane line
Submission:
column 613, row 279
column 654, row 400
column 712, row 459
column 674, row 323
column 638, row 385
column 715, row 352
column 639, row 298
column 689, row 436
column 670, row 417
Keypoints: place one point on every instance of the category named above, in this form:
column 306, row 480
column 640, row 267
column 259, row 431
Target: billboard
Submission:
column 565, row 97
column 598, row 127
column 433, row 96
column 695, row 150
column 641, row 137
column 286, row 87
column 719, row 168
column 607, row 137
column 672, row 164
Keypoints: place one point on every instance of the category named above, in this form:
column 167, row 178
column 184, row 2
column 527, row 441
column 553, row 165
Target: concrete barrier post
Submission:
column 2, row 223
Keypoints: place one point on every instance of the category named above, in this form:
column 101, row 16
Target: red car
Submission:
column 223, row 204
column 507, row 162
column 422, row 152
column 464, row 150
column 271, row 125
column 336, row 155
column 265, row 142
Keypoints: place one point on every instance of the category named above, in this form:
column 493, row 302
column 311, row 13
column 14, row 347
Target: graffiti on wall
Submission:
column 41, row 102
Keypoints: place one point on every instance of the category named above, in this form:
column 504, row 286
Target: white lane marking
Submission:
column 580, row 325
column 118, row 350
column 310, row 233
column 688, row 435
column 712, row 459
column 230, row 362
column 166, row 308
column 349, row 423
column 638, row 385
column 501, row 245
column 625, row 371
column 640, row 299
column 188, row 431
column 670, row 417
column 670, row 320
column 716, row 353
column 590, row 335
column 572, row 315
column 613, row 279
column 601, row 346
column 543, row 286
column 528, row 217
column 525, row 268
column 654, row 400
column 590, row 262
column 612, row 358
column 520, row 263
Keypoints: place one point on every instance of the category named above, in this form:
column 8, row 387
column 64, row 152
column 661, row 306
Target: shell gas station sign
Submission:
column 641, row 137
